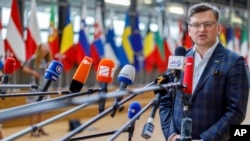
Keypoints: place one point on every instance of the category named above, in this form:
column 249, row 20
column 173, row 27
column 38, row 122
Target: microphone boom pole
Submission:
column 45, row 122
column 36, row 94
column 94, row 119
column 19, row 86
column 44, row 105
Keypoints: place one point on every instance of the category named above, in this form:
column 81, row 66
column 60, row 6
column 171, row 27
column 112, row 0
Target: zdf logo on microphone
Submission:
column 106, row 71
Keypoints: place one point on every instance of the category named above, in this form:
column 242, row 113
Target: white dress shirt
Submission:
column 200, row 63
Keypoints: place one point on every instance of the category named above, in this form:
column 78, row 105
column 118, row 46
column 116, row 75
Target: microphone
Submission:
column 176, row 62
column 149, row 127
column 81, row 74
column 52, row 73
column 186, row 124
column 134, row 108
column 9, row 68
column 105, row 73
column 186, row 130
column 125, row 77
column 188, row 75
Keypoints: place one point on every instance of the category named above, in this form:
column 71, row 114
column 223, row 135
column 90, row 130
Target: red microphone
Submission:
column 105, row 73
column 188, row 75
column 9, row 65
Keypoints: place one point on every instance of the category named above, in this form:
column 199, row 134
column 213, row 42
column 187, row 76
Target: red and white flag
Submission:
column 14, row 43
column 33, row 32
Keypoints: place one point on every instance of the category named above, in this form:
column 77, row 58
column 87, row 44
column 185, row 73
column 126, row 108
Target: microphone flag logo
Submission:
column 160, row 79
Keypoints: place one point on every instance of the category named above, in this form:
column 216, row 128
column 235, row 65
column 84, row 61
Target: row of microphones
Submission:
column 9, row 67
column 175, row 67
column 105, row 74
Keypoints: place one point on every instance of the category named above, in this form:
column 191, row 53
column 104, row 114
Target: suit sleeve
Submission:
column 165, row 110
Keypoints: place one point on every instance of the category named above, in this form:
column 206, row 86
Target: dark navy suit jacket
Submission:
column 219, row 99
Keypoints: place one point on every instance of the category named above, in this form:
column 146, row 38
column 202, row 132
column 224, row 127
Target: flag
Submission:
column 136, row 41
column 169, row 42
column 97, row 46
column 67, row 44
column 2, row 52
column 110, row 46
column 126, row 40
column 230, row 38
column 82, row 47
column 181, row 33
column 16, row 48
column 244, row 43
column 237, row 36
column 187, row 41
column 160, row 53
column 167, row 45
column 33, row 33
column 222, row 36
column 149, row 50
column 53, row 39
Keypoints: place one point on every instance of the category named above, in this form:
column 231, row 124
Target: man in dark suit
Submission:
column 220, row 83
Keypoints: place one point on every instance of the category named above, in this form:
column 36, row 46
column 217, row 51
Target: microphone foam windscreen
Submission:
column 180, row 51
column 54, row 70
column 188, row 75
column 133, row 109
column 105, row 71
column 81, row 74
column 127, row 74
column 186, row 127
column 9, row 65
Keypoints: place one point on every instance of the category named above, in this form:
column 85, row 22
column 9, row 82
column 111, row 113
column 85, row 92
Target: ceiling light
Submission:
column 176, row 9
column 147, row 1
column 119, row 2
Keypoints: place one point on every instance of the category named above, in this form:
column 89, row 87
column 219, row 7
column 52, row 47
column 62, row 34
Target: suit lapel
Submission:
column 214, row 61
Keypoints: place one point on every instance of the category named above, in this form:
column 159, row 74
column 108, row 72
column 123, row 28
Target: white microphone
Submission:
column 176, row 62
column 126, row 77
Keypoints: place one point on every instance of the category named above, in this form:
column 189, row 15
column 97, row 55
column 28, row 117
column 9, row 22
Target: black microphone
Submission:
column 149, row 127
column 105, row 73
column 52, row 73
column 126, row 77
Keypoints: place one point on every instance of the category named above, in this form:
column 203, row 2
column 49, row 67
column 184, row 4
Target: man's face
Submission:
column 204, row 29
